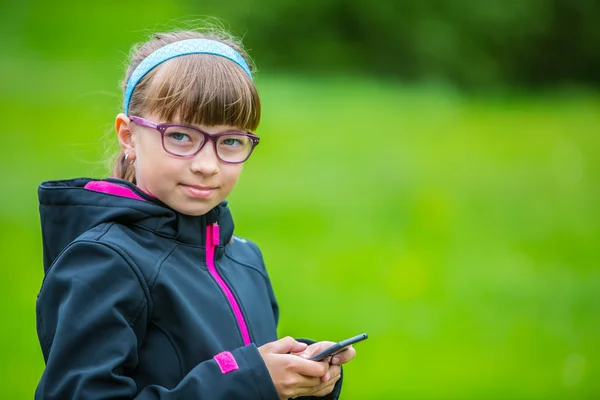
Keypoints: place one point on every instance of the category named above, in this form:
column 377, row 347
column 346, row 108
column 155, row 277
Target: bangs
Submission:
column 199, row 89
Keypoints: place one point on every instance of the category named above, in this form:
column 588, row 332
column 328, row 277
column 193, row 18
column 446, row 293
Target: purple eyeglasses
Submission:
column 187, row 141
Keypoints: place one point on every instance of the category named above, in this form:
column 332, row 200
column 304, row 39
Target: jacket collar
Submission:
column 68, row 208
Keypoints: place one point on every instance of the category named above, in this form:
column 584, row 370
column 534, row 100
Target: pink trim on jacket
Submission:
column 226, row 362
column 112, row 188
column 212, row 241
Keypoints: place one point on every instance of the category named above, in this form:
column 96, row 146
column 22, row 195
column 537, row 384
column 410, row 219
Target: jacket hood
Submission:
column 68, row 208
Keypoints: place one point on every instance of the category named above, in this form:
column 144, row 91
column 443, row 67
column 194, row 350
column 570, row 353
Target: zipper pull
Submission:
column 215, row 234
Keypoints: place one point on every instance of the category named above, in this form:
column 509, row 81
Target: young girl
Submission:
column 147, row 294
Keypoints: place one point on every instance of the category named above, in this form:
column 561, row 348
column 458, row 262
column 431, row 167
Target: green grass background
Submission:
column 460, row 232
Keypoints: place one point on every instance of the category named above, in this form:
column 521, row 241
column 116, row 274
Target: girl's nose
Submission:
column 206, row 161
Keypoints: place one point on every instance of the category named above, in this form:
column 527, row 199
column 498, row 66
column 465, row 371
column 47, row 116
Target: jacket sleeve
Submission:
column 91, row 318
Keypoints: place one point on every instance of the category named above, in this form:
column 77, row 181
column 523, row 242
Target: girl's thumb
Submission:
column 287, row 345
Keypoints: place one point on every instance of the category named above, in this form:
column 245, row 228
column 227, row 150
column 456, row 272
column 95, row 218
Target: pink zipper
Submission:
column 212, row 241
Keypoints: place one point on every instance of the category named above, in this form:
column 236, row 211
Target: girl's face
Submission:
column 191, row 186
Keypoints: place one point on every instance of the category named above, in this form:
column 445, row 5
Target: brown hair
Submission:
column 196, row 89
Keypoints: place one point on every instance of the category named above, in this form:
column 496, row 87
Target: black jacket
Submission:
column 142, row 302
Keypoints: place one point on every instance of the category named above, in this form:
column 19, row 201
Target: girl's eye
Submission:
column 234, row 142
column 179, row 137
column 231, row 142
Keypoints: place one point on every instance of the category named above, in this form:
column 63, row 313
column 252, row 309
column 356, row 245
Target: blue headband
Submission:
column 176, row 49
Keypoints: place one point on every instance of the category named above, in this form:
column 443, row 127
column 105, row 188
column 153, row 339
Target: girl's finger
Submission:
column 334, row 370
column 310, row 368
column 307, row 383
column 325, row 388
column 344, row 357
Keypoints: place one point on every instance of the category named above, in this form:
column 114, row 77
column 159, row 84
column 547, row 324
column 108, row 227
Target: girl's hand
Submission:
column 341, row 358
column 333, row 375
column 293, row 376
column 328, row 382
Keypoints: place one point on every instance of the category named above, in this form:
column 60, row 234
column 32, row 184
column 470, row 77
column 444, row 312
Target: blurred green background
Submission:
column 428, row 174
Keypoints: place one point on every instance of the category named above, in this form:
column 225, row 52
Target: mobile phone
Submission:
column 338, row 347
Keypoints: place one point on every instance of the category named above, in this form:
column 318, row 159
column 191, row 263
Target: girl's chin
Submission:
column 192, row 211
column 192, row 208
column 187, row 205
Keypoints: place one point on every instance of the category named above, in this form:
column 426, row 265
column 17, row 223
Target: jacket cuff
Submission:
column 251, row 358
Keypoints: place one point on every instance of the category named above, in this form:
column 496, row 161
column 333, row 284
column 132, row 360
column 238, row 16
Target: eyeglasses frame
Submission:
column 162, row 128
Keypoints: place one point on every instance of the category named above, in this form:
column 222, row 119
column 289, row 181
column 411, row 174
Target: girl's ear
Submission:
column 126, row 137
